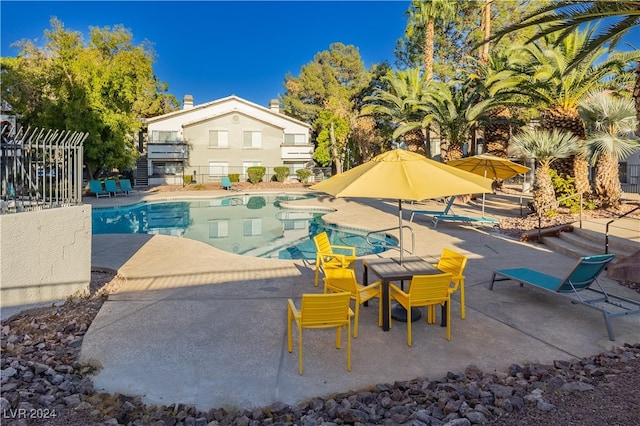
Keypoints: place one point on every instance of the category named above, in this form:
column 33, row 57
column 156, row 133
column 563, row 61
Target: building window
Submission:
column 294, row 139
column 251, row 227
column 219, row 228
column 252, row 140
column 164, row 136
column 167, row 168
column 218, row 139
column 217, row 169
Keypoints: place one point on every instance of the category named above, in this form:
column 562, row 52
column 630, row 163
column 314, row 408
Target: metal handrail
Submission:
column 606, row 229
column 556, row 203
column 413, row 236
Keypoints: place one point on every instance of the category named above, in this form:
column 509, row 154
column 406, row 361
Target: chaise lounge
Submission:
column 577, row 286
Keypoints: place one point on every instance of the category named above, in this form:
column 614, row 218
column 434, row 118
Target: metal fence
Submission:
column 40, row 169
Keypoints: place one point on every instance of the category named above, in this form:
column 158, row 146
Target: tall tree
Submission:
column 327, row 86
column 102, row 87
column 566, row 16
column 398, row 102
column 545, row 147
column 423, row 15
column 610, row 123
column 557, row 90
column 456, row 38
column 456, row 109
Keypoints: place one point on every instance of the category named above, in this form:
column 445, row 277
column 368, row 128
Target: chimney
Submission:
column 274, row 106
column 187, row 102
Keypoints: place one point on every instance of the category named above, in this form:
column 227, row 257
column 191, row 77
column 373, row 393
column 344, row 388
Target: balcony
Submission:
column 167, row 150
column 296, row 152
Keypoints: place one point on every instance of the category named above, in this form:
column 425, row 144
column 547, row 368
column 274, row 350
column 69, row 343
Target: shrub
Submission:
column 187, row 179
column 234, row 177
column 281, row 173
column 303, row 175
column 564, row 187
column 256, row 173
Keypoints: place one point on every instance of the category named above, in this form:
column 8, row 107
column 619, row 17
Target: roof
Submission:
column 221, row 101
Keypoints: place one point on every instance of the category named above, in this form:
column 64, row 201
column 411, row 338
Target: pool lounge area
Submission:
column 201, row 326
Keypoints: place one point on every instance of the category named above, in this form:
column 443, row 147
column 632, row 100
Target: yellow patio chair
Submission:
column 339, row 279
column 454, row 263
column 425, row 291
column 321, row 311
column 327, row 257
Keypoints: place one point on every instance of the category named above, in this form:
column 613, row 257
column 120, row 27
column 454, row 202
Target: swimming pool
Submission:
column 248, row 224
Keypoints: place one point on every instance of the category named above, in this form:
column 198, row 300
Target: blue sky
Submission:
column 213, row 49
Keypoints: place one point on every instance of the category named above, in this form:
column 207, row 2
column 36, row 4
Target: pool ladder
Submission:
column 378, row 244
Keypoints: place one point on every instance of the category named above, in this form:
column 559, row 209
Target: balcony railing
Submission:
column 296, row 152
column 168, row 151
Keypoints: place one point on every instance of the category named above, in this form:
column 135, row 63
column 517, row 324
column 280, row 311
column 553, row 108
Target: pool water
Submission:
column 247, row 224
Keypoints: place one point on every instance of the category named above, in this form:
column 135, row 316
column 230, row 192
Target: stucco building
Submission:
column 222, row 137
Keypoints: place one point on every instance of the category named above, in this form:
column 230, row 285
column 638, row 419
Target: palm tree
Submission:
column 498, row 81
column 545, row 147
column 428, row 12
column 567, row 16
column 558, row 89
column 610, row 124
column 399, row 102
column 456, row 109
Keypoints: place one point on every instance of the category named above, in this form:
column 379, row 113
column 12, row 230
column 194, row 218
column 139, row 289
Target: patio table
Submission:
column 390, row 269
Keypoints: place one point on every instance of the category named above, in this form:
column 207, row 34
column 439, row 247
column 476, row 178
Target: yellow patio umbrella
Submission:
column 403, row 175
column 489, row 166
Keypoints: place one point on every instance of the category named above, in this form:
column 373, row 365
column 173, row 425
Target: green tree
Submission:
column 398, row 102
column 103, row 87
column 545, row 147
column 456, row 40
column 423, row 16
column 610, row 123
column 456, row 109
column 326, row 92
column 557, row 90
column 567, row 16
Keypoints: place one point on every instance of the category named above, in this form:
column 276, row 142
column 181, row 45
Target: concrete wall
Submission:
column 45, row 256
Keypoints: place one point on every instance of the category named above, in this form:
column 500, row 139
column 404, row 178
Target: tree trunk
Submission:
column 636, row 95
column 486, row 27
column 497, row 133
column 575, row 166
column 543, row 192
column 337, row 161
column 607, row 182
column 429, row 37
column 414, row 139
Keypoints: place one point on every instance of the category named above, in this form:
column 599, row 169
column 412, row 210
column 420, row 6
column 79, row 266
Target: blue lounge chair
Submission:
column 95, row 187
column 434, row 212
column 575, row 285
column 125, row 186
column 471, row 220
column 226, row 184
column 112, row 188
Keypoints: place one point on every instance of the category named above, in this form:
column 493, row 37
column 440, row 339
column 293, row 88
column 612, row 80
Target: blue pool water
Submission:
column 248, row 224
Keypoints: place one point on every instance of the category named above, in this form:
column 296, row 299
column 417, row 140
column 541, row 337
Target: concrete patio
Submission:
column 200, row 326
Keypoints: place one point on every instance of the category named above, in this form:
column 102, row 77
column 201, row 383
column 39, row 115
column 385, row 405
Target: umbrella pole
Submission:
column 401, row 230
column 483, row 194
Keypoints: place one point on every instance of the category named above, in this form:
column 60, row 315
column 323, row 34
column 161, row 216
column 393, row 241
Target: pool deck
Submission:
column 204, row 327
